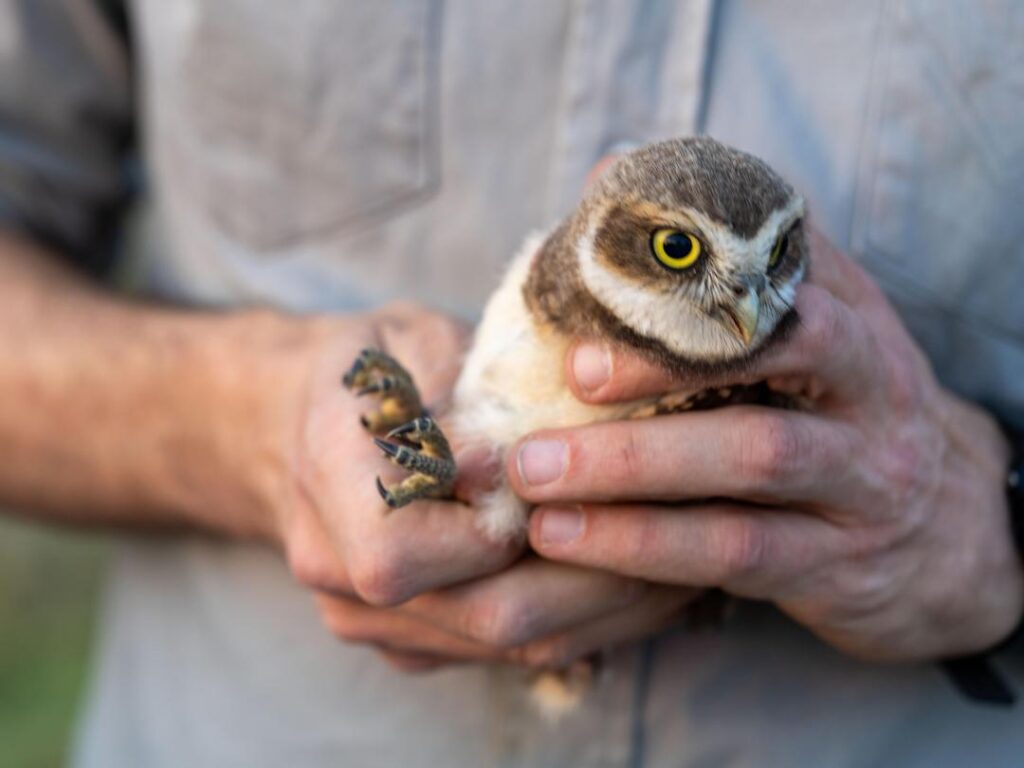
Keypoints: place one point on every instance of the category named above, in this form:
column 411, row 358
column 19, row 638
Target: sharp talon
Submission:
column 349, row 378
column 401, row 455
column 385, row 494
column 384, row 445
column 405, row 429
column 365, row 422
column 421, row 424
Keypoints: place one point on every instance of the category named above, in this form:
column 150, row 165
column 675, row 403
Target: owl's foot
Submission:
column 413, row 441
column 375, row 373
column 421, row 447
column 706, row 399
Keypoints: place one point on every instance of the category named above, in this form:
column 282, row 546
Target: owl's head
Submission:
column 695, row 249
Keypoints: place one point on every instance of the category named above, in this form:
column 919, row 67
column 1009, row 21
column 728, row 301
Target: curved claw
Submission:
column 386, row 495
column 415, row 442
column 384, row 445
column 401, row 455
column 358, row 365
column 420, row 425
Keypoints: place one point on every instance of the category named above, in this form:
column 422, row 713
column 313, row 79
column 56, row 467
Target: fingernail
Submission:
column 591, row 366
column 542, row 461
column 560, row 526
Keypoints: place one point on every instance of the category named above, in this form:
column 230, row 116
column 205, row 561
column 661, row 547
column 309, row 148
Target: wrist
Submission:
column 974, row 675
column 250, row 372
column 994, row 598
column 1013, row 494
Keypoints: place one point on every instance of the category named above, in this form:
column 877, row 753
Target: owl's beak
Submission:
column 743, row 315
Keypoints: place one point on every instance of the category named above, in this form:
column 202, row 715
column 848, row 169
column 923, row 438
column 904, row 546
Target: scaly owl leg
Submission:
column 415, row 442
column 424, row 451
column 717, row 397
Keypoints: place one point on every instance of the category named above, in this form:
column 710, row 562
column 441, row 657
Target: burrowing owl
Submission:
column 688, row 251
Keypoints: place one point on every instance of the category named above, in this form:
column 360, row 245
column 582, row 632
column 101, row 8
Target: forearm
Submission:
column 114, row 412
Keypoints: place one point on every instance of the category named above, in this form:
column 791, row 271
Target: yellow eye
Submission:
column 675, row 249
column 778, row 250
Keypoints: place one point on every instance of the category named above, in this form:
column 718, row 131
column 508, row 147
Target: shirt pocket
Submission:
column 940, row 216
column 307, row 118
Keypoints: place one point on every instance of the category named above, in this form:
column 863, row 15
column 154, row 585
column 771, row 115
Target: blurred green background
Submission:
column 49, row 584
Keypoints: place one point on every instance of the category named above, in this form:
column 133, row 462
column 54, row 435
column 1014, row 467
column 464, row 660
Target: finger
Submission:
column 832, row 346
column 479, row 471
column 744, row 452
column 430, row 344
column 401, row 632
column 657, row 609
column 385, row 556
column 531, row 600
column 840, row 275
column 598, row 372
column 390, row 558
column 832, row 350
column 756, row 553
column 831, row 342
column 412, row 663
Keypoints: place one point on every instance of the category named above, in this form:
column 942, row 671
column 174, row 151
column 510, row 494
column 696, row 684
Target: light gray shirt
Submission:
column 333, row 155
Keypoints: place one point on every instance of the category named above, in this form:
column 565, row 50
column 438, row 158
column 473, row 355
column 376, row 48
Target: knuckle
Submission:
column 630, row 454
column 904, row 470
column 863, row 544
column 344, row 625
column 863, row 592
column 904, row 385
column 909, row 470
column 498, row 623
column 315, row 572
column 378, row 579
column 822, row 329
column 642, row 540
column 307, row 571
column 772, row 453
column 741, row 548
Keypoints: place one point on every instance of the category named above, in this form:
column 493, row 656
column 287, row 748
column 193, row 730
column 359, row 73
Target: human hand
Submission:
column 421, row 584
column 536, row 613
column 877, row 519
column 331, row 523
column 336, row 533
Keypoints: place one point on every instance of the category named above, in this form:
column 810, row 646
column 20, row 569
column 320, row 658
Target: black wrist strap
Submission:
column 977, row 680
column 975, row 676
